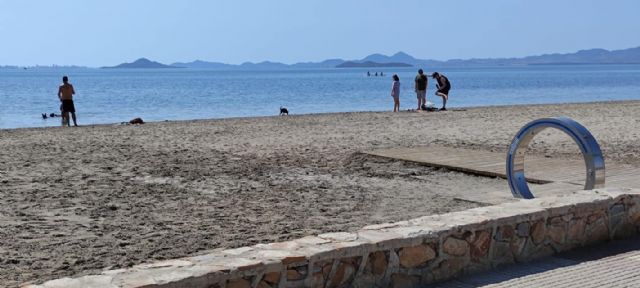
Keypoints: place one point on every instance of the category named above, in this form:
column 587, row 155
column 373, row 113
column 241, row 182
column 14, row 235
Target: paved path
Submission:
column 614, row 264
column 554, row 175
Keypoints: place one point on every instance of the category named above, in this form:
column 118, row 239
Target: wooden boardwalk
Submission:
column 557, row 175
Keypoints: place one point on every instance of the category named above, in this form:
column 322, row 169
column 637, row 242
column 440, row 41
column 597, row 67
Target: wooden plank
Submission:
column 539, row 169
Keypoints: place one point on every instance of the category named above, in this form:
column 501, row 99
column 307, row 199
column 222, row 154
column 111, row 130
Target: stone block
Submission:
column 517, row 245
column 238, row 283
column 598, row 231
column 383, row 239
column 501, row 253
column 295, row 274
column 343, row 274
column 481, row 244
column 339, row 236
column 522, row 230
column 467, row 236
column 272, row 277
column 455, row 247
column 556, row 234
column 311, row 240
column 504, row 233
column 556, row 221
column 568, row 217
column 576, row 229
column 616, row 209
column 415, row 256
column 616, row 220
column 238, row 251
column 81, row 282
column 538, row 231
column 634, row 215
column 293, row 259
column 377, row 263
column 326, row 270
column 595, row 217
column 318, row 280
column 253, row 266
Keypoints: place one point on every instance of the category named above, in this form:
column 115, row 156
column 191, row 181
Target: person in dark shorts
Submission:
column 65, row 94
column 420, row 86
column 443, row 86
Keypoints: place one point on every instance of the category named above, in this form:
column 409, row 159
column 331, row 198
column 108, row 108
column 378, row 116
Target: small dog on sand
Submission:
column 136, row 121
column 284, row 111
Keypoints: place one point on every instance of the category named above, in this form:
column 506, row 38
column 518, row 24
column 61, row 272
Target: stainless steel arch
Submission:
column 588, row 145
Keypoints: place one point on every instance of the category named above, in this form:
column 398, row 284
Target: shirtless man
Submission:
column 65, row 93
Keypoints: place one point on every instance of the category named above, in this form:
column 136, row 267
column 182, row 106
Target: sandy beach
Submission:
column 75, row 201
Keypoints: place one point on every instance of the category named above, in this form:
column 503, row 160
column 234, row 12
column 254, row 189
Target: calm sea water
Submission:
column 113, row 96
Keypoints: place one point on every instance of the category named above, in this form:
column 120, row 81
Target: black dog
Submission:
column 44, row 115
column 283, row 111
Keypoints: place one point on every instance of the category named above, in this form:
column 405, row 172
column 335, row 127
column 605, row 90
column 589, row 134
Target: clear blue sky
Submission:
column 96, row 33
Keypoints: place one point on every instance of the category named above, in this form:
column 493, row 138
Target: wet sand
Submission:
column 75, row 201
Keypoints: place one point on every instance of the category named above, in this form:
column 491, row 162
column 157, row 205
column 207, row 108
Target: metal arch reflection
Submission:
column 588, row 145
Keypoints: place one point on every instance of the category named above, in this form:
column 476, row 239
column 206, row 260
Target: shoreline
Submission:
column 452, row 109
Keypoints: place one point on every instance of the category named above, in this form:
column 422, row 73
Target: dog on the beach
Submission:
column 284, row 111
column 136, row 121
column 52, row 115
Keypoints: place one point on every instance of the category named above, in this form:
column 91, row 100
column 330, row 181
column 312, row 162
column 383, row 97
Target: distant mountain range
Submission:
column 371, row 64
column 401, row 59
column 142, row 63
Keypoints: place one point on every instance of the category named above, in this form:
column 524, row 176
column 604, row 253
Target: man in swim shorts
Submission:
column 420, row 87
column 443, row 86
column 65, row 94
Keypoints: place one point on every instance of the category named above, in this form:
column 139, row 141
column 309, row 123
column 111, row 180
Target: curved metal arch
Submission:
column 593, row 159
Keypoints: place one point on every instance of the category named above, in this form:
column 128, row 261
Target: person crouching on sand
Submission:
column 395, row 93
column 443, row 86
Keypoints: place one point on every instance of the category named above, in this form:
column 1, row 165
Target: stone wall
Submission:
column 403, row 254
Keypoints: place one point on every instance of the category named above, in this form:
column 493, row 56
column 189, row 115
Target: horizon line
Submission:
column 311, row 61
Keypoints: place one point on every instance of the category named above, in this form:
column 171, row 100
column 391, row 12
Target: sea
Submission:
column 105, row 96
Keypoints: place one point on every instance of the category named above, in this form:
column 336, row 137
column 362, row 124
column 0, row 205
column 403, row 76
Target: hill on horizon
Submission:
column 590, row 56
column 400, row 59
column 371, row 64
column 141, row 63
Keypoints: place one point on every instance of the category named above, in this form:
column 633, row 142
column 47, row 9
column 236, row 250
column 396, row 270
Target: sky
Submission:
column 108, row 32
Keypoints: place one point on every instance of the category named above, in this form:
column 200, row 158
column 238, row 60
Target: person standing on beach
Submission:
column 395, row 93
column 65, row 94
column 420, row 87
column 443, row 86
